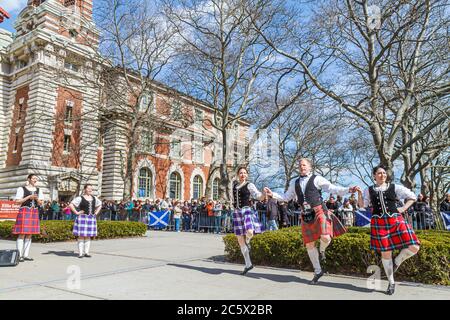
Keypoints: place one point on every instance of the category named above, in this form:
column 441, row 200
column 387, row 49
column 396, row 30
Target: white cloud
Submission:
column 12, row 6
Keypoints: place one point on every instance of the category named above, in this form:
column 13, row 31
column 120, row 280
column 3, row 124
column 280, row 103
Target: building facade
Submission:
column 49, row 118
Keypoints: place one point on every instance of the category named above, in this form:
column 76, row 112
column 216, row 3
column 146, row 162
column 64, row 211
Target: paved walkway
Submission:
column 169, row 265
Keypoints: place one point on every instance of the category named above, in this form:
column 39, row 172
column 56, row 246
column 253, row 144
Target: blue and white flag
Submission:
column 363, row 218
column 158, row 219
column 446, row 218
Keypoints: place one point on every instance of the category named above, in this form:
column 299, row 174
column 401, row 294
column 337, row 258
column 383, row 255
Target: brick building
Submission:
column 44, row 94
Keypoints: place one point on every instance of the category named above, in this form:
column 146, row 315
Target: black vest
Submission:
column 383, row 201
column 86, row 206
column 29, row 202
column 312, row 195
column 241, row 197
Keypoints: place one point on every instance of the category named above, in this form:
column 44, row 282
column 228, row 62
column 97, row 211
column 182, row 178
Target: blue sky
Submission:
column 13, row 7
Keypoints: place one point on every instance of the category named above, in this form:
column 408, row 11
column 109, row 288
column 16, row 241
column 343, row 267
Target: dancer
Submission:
column 317, row 221
column 27, row 221
column 85, row 225
column 389, row 230
column 245, row 220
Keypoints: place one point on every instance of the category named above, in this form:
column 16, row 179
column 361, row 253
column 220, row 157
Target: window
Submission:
column 145, row 182
column 146, row 103
column 71, row 66
column 19, row 117
column 16, row 142
column 269, row 147
column 235, row 153
column 175, row 149
column 176, row 110
column 69, row 111
column 175, row 186
column 215, row 189
column 21, row 64
column 217, row 153
column 147, row 141
column 198, row 187
column 198, row 117
column 197, row 153
column 66, row 143
column 68, row 3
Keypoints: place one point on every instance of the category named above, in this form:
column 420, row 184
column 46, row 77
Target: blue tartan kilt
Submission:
column 85, row 226
column 246, row 219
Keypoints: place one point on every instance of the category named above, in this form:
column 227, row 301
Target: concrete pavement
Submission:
column 174, row 266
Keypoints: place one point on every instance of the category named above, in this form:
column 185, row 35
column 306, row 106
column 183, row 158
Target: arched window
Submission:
column 175, row 186
column 215, row 189
column 198, row 187
column 145, row 183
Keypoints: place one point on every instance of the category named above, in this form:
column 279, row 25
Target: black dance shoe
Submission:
column 87, row 255
column 21, row 259
column 246, row 270
column 28, row 259
column 316, row 278
column 391, row 289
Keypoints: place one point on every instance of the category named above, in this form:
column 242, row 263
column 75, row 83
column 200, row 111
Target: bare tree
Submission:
column 136, row 45
column 222, row 61
column 387, row 61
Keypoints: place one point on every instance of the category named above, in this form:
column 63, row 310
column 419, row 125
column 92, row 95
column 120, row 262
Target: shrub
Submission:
column 348, row 254
column 52, row 231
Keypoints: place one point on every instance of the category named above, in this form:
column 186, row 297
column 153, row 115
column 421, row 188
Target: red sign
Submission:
column 8, row 209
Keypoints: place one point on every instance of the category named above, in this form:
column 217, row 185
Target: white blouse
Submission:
column 76, row 202
column 252, row 188
column 400, row 191
column 319, row 182
column 19, row 193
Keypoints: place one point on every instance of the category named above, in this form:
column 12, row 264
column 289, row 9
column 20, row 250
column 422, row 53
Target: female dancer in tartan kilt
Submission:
column 318, row 223
column 389, row 231
column 245, row 220
column 27, row 221
column 85, row 225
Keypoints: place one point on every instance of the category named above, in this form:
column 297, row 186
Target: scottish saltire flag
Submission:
column 158, row 219
column 446, row 218
column 363, row 218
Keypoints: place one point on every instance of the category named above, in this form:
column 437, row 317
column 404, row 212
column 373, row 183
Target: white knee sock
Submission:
column 26, row 247
column 80, row 247
column 19, row 245
column 314, row 257
column 324, row 245
column 389, row 269
column 87, row 246
column 403, row 255
column 246, row 254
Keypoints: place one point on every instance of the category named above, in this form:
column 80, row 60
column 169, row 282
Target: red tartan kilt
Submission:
column 390, row 233
column 324, row 223
column 27, row 221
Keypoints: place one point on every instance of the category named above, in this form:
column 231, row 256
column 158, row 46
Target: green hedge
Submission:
column 348, row 254
column 52, row 231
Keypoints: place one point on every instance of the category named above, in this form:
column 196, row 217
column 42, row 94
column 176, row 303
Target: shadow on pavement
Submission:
column 275, row 277
column 62, row 253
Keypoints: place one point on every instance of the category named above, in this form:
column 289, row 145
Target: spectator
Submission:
column 261, row 208
column 195, row 215
column 56, row 210
column 186, row 216
column 347, row 213
column 445, row 205
column 421, row 210
column 333, row 207
column 67, row 212
column 272, row 212
column 210, row 213
column 218, row 217
column 283, row 210
column 177, row 212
